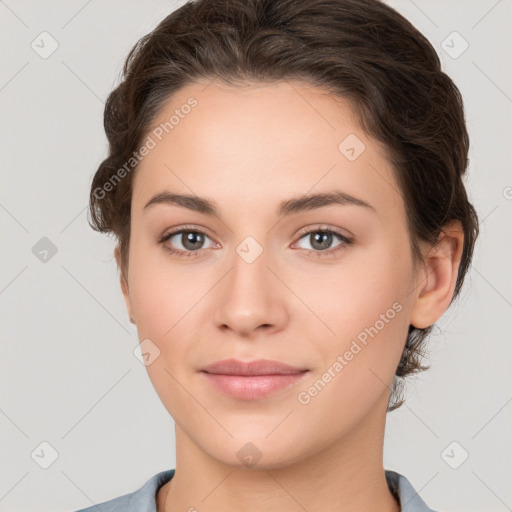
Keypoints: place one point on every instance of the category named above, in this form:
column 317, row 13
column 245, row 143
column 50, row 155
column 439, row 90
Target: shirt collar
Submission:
column 144, row 499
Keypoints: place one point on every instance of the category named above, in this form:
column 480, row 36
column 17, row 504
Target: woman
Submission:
column 285, row 182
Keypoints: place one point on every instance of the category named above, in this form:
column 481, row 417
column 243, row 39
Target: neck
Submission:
column 346, row 476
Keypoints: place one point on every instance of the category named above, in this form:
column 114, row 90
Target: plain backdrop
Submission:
column 69, row 376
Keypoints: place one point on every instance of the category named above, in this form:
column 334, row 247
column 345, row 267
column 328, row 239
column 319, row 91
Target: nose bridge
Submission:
column 250, row 296
column 249, row 275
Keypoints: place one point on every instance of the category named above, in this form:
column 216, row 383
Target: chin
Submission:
column 258, row 454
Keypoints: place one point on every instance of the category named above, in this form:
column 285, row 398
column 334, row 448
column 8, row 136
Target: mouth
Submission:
column 251, row 380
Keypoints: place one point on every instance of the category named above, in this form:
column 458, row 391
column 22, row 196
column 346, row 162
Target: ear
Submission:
column 436, row 282
column 124, row 284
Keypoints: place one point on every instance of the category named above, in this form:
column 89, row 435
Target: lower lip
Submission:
column 252, row 387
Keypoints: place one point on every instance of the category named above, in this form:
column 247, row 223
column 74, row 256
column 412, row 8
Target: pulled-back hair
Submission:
column 361, row 50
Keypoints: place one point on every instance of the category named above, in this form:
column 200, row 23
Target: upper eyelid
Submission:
column 324, row 227
column 177, row 231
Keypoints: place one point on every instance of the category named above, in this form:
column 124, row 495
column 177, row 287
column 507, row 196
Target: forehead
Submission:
column 260, row 142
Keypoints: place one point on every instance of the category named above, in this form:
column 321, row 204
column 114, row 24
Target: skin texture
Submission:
column 248, row 149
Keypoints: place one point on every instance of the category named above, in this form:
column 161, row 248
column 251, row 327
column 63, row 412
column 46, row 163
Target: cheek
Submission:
column 367, row 314
column 163, row 299
column 163, row 295
column 353, row 294
column 364, row 305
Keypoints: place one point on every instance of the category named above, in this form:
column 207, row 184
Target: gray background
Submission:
column 69, row 375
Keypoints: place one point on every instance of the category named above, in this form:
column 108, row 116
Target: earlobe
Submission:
column 124, row 284
column 434, row 291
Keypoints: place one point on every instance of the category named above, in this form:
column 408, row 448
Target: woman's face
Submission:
column 271, row 274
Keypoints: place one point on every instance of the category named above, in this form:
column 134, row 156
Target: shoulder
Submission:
column 410, row 500
column 141, row 500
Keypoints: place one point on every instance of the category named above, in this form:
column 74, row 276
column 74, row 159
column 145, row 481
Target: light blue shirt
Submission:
column 144, row 499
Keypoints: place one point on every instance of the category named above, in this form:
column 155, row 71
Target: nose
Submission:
column 251, row 299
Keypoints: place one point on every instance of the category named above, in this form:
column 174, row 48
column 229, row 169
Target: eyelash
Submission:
column 188, row 254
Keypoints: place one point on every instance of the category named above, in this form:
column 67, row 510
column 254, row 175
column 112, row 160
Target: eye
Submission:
column 184, row 242
column 321, row 240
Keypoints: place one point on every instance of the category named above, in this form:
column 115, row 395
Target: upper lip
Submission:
column 256, row 367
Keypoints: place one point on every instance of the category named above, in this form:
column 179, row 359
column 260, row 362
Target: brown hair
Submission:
column 362, row 50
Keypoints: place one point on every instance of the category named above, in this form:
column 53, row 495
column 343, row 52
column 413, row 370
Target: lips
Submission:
column 251, row 380
column 257, row 367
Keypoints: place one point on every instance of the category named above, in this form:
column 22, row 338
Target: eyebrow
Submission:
column 288, row 207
